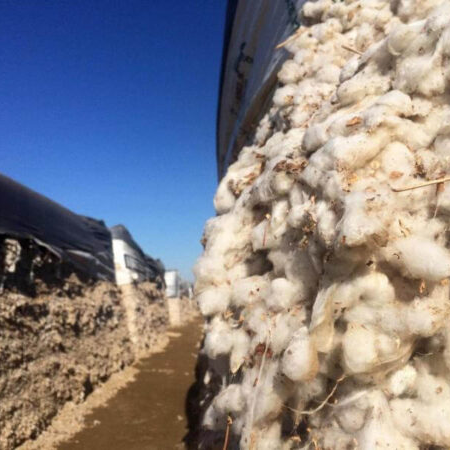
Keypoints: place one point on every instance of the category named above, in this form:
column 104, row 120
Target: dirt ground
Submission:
column 149, row 412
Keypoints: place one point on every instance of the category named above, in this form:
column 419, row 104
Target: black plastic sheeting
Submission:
column 151, row 267
column 80, row 240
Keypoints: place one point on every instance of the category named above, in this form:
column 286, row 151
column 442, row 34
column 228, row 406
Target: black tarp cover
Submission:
column 80, row 240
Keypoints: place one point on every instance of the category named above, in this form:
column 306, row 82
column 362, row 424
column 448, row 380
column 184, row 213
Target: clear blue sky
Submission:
column 109, row 108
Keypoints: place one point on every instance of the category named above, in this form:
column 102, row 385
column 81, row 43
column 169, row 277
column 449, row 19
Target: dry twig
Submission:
column 227, row 432
column 423, row 184
column 351, row 49
column 290, row 38
column 322, row 404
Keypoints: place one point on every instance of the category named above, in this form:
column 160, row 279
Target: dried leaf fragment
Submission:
column 395, row 175
column 353, row 121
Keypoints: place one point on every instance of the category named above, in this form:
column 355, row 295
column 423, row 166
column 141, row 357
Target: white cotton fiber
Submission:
column 422, row 258
column 218, row 340
column 291, row 72
column 300, row 361
column 282, row 294
column 325, row 275
column 249, row 290
column 240, row 349
column 283, row 327
column 285, row 95
column 214, row 300
column 356, row 225
column 402, row 381
column 359, row 347
column 230, row 400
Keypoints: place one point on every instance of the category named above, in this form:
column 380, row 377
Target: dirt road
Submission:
column 149, row 413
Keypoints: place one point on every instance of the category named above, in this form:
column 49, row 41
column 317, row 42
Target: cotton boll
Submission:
column 281, row 183
column 263, row 131
column 356, row 226
column 422, row 75
column 356, row 88
column 221, row 229
column 421, row 106
column 264, row 402
column 237, row 267
column 441, row 147
column 269, row 401
column 290, row 73
column 209, row 270
column 387, row 347
column 398, row 102
column 299, row 116
column 327, row 30
column 270, row 438
column 269, row 232
column 262, row 191
column 265, row 438
column 326, row 223
column 284, row 327
column 397, row 161
column 380, row 431
column 280, row 210
column 258, row 322
column 214, row 300
column 230, row 400
column 402, row 380
column 372, row 288
column 273, row 146
column 282, row 295
column 351, row 419
column 364, row 36
column 314, row 10
column 354, row 151
column 315, row 388
column 314, row 138
column 212, row 420
column 370, row 300
column 425, row 417
column 421, row 258
column 443, row 201
column 218, row 340
column 240, row 349
column 297, row 195
column 349, row 69
column 289, row 144
column 359, row 349
column 284, row 96
column 224, row 199
column 329, row 74
column 402, row 36
column 300, row 361
column 299, row 215
column 375, row 348
column 426, row 316
column 318, row 170
column 249, row 290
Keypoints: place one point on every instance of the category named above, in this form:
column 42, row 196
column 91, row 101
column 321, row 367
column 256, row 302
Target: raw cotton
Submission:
column 325, row 288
